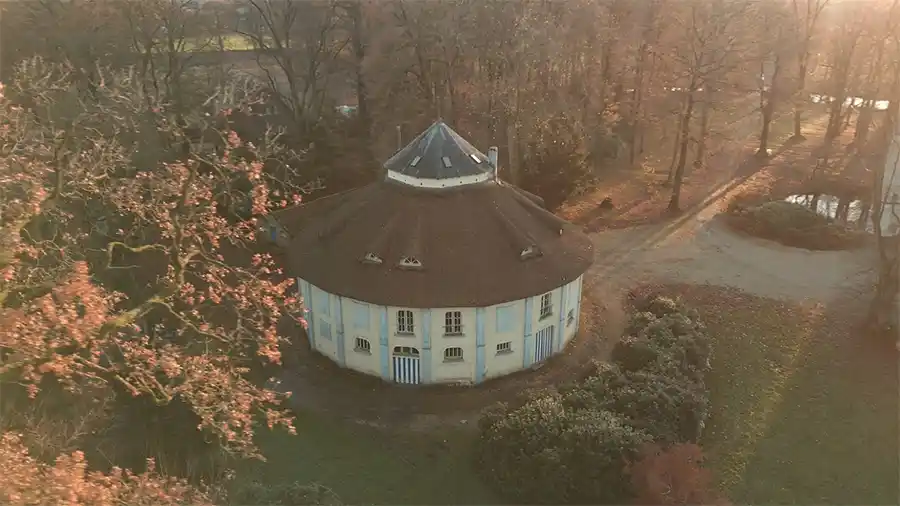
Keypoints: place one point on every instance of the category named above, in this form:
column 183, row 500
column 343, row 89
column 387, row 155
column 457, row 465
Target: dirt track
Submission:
column 704, row 251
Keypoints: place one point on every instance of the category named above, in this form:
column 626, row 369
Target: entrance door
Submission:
column 406, row 365
column 543, row 344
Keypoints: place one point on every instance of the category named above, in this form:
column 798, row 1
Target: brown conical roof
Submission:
column 466, row 246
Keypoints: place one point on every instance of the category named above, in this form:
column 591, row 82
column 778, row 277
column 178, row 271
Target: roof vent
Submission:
column 530, row 252
column 372, row 258
column 410, row 263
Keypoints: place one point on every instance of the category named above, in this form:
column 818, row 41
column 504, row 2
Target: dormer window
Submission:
column 530, row 252
column 410, row 263
column 372, row 258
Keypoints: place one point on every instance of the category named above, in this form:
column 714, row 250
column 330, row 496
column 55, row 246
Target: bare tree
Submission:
column 298, row 44
column 714, row 38
column 806, row 14
column 776, row 47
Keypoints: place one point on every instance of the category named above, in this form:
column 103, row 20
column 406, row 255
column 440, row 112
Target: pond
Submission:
column 854, row 213
column 880, row 105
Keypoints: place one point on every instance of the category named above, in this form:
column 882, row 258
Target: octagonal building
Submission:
column 438, row 273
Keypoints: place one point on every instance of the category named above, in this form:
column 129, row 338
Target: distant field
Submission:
column 233, row 42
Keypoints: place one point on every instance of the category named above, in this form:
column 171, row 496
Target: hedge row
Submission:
column 792, row 224
column 570, row 445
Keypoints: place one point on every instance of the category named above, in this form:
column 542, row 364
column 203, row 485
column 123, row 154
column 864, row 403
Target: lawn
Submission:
column 364, row 465
column 805, row 409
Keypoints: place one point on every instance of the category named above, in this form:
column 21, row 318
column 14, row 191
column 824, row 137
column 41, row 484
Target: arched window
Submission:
column 363, row 345
column 406, row 351
column 453, row 354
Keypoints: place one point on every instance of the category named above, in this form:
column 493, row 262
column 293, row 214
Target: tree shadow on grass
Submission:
column 832, row 437
column 805, row 406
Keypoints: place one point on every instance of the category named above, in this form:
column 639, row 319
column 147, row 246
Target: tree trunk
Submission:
column 683, row 150
column 863, row 122
column 882, row 316
column 768, row 109
column 800, row 101
column 700, row 159
column 359, row 50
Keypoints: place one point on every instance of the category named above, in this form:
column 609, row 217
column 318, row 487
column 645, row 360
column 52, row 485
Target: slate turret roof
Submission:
column 439, row 153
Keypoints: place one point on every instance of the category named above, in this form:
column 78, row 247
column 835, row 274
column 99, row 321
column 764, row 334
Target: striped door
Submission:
column 543, row 344
column 406, row 369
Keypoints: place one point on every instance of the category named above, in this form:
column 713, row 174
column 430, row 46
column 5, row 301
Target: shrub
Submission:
column 637, row 321
column 284, row 494
column 792, row 224
column 547, row 453
column 567, row 446
column 670, row 408
column 657, row 305
column 672, row 476
column 668, row 336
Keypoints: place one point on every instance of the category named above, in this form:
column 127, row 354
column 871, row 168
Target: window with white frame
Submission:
column 546, row 305
column 571, row 318
column 362, row 345
column 453, row 323
column 453, row 354
column 504, row 347
column 405, row 351
column 405, row 323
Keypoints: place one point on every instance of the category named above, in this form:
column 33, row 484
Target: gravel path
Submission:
column 699, row 249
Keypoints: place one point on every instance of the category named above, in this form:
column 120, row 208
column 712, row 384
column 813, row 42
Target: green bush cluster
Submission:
column 792, row 224
column 570, row 445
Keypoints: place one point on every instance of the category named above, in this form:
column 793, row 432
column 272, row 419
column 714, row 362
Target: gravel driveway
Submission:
column 700, row 249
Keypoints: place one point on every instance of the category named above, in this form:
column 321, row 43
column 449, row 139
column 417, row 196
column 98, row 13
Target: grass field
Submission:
column 365, row 465
column 804, row 412
column 805, row 409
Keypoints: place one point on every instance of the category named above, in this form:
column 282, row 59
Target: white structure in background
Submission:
column 440, row 272
column 890, row 216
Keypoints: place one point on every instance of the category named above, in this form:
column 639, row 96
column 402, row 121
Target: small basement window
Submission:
column 571, row 318
column 410, row 263
column 453, row 354
column 363, row 345
column 546, row 305
column 372, row 258
column 504, row 348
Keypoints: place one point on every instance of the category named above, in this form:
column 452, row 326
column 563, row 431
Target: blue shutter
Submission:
column 504, row 319
column 360, row 315
column 323, row 303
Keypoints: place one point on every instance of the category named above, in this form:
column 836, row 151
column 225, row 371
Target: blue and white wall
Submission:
column 493, row 341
